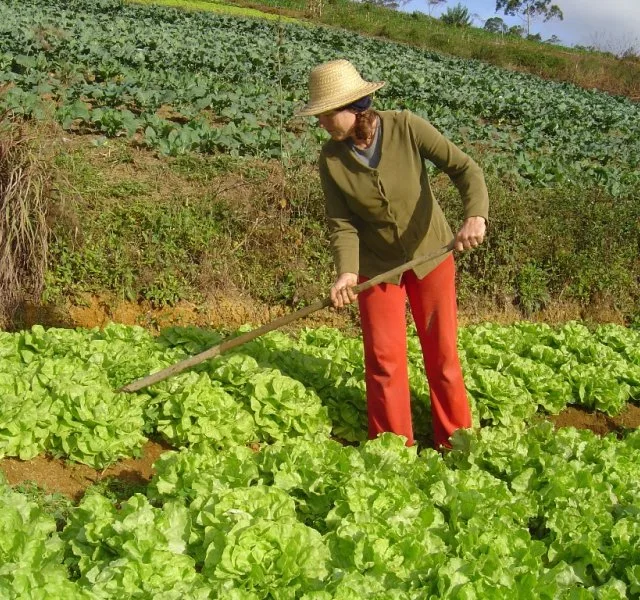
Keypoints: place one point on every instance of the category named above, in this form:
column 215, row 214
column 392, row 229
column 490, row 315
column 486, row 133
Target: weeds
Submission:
column 118, row 489
column 226, row 225
column 55, row 505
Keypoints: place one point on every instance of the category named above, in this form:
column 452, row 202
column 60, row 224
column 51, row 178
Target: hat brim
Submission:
column 316, row 108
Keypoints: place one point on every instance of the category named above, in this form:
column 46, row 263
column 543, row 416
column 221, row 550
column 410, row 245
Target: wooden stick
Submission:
column 276, row 324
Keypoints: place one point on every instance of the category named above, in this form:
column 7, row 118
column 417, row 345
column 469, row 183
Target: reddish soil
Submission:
column 598, row 422
column 72, row 479
column 223, row 311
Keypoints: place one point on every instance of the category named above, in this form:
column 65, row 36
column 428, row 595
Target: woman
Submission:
column 381, row 213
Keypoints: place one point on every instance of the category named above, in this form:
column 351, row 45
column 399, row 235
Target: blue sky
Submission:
column 612, row 25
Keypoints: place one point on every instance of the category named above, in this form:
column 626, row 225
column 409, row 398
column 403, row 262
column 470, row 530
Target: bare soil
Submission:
column 220, row 311
column 229, row 310
column 598, row 422
column 72, row 479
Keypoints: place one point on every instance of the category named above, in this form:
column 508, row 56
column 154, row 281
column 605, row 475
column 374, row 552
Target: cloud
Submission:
column 612, row 23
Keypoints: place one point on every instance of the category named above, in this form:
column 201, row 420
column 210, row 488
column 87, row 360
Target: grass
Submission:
column 116, row 489
column 55, row 505
column 189, row 228
column 587, row 69
column 59, row 506
column 25, row 187
column 165, row 230
column 218, row 7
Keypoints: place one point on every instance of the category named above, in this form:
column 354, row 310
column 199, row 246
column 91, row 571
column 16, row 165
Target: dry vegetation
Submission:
column 25, row 191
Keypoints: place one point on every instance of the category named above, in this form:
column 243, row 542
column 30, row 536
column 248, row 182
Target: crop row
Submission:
column 186, row 81
column 510, row 512
column 516, row 509
column 59, row 386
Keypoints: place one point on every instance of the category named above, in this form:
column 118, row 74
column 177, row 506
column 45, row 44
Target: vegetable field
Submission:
column 268, row 493
column 182, row 81
column 269, row 489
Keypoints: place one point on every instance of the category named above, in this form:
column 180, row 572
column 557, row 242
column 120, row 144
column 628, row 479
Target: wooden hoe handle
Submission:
column 276, row 324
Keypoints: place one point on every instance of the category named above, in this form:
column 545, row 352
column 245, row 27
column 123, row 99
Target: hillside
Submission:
column 589, row 69
column 207, row 100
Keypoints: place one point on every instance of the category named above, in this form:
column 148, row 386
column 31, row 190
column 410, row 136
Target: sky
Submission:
column 611, row 25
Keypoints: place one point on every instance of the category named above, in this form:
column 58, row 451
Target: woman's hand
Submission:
column 471, row 234
column 341, row 292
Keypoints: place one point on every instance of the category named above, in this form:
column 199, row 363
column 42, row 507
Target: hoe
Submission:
column 234, row 342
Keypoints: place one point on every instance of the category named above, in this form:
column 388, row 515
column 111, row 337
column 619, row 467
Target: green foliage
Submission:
column 588, row 68
column 535, row 140
column 136, row 241
column 136, row 551
column 401, row 524
column 137, row 248
column 55, row 505
column 457, row 16
column 495, row 25
column 530, row 9
column 532, row 288
column 577, row 240
column 557, row 132
column 31, row 555
column 59, row 385
column 514, row 506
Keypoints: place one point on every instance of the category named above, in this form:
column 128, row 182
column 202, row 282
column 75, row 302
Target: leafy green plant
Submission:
column 298, row 513
column 457, row 16
column 558, row 133
column 532, row 288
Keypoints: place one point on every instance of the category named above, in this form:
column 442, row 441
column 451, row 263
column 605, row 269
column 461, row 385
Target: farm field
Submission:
column 141, row 95
column 265, row 488
column 176, row 81
column 250, row 477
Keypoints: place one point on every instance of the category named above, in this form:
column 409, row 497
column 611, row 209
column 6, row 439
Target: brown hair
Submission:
column 365, row 125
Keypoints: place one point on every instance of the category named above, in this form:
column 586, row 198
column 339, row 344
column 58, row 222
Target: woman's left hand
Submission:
column 471, row 235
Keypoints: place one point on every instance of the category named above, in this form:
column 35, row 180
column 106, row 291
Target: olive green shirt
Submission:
column 380, row 218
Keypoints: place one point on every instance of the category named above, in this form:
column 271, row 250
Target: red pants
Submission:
column 433, row 305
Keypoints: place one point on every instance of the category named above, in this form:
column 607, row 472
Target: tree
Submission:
column 495, row 25
column 432, row 3
column 457, row 16
column 528, row 10
column 516, row 31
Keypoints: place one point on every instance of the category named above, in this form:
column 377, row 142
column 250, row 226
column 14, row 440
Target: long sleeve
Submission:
column 343, row 235
column 463, row 171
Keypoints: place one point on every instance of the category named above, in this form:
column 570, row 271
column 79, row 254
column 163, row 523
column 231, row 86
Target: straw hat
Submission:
column 335, row 84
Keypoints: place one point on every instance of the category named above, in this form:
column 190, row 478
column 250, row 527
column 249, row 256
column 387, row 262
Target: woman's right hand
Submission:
column 341, row 290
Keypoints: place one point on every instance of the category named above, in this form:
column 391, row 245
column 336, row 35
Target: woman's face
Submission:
column 338, row 123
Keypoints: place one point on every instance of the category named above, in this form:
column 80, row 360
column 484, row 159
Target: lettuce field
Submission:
column 181, row 81
column 272, row 491
column 268, row 488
